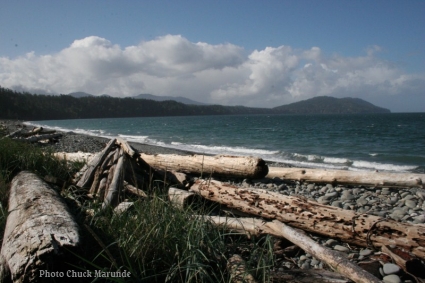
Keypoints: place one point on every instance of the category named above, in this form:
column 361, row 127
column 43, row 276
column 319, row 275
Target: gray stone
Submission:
column 419, row 219
column 361, row 201
column 390, row 268
column 341, row 248
column 410, row 203
column 403, row 195
column 391, row 279
column 365, row 252
column 331, row 242
column 331, row 195
column 305, row 265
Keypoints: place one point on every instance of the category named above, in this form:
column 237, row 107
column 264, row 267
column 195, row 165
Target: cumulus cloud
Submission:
column 223, row 73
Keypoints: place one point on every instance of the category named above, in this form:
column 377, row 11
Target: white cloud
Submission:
column 224, row 73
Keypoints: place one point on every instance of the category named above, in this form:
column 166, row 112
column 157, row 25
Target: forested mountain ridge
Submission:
column 26, row 106
column 330, row 105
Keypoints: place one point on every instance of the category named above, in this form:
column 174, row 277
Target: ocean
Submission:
column 385, row 142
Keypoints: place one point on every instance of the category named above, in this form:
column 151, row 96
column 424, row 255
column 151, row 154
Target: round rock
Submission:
column 391, row 279
column 390, row 268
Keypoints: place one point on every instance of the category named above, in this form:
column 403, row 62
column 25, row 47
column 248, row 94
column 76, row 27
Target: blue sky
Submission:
column 253, row 53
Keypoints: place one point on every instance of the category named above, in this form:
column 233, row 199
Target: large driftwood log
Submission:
column 38, row 226
column 347, row 225
column 88, row 175
column 376, row 179
column 220, row 165
column 42, row 137
column 335, row 259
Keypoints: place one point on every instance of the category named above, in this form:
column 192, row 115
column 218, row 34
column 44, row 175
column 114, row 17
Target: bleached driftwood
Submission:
column 179, row 198
column 219, row 165
column 42, row 137
column 133, row 190
column 89, row 172
column 347, row 225
column 308, row 276
column 126, row 147
column 116, row 185
column 38, row 228
column 74, row 156
column 335, row 259
column 375, row 179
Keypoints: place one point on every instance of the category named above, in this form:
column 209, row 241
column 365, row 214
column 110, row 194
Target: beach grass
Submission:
column 155, row 241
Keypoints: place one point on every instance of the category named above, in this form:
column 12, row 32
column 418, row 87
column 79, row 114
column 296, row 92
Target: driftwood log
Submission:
column 334, row 259
column 308, row 276
column 346, row 225
column 42, row 137
column 220, row 165
column 38, row 227
column 374, row 179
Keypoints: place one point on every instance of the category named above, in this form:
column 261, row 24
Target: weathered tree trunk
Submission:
column 35, row 131
column 42, row 137
column 253, row 226
column 220, row 165
column 349, row 226
column 376, row 179
column 38, row 226
column 88, row 175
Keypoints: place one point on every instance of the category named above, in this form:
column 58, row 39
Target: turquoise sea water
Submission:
column 384, row 142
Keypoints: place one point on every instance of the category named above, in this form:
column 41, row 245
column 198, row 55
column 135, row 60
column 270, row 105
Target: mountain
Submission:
column 80, row 94
column 180, row 99
column 330, row 105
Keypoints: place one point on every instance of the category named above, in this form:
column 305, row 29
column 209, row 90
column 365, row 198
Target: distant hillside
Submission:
column 26, row 106
column 180, row 99
column 80, row 94
column 330, row 105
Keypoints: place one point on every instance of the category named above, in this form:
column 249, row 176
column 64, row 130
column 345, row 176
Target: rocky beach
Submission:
column 400, row 204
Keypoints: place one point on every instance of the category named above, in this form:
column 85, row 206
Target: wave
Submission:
column 382, row 166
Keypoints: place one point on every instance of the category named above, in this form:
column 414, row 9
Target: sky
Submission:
column 252, row 53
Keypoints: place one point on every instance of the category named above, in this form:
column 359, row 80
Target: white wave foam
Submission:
column 231, row 150
column 140, row 139
column 381, row 166
column 373, row 154
column 336, row 160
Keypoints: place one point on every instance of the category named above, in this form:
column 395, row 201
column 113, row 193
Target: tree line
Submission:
column 27, row 106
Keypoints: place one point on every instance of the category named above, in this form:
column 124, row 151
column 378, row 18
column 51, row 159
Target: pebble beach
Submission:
column 400, row 204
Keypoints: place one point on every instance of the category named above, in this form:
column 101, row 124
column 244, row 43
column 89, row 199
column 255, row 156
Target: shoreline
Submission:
column 74, row 142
